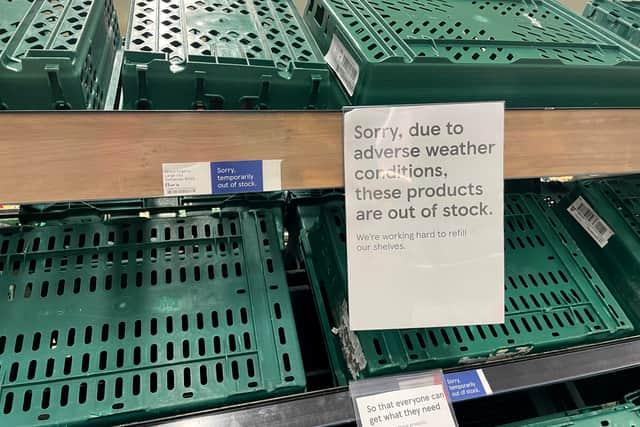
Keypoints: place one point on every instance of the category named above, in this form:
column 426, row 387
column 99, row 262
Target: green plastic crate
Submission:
column 553, row 297
column 621, row 17
column 529, row 53
column 208, row 54
column 56, row 54
column 626, row 414
column 105, row 322
column 617, row 202
column 99, row 210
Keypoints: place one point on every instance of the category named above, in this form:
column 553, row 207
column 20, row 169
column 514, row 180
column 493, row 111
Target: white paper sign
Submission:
column 419, row 406
column 424, row 205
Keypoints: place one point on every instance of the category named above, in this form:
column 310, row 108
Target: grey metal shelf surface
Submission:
column 333, row 407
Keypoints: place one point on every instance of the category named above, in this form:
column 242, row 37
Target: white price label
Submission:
column 419, row 406
column 343, row 64
column 590, row 221
column 181, row 179
column 225, row 177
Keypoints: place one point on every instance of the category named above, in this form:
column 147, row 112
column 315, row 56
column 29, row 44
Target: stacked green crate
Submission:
column 106, row 320
column 610, row 204
column 553, row 297
column 621, row 17
column 206, row 54
column 56, row 54
column 626, row 414
column 531, row 54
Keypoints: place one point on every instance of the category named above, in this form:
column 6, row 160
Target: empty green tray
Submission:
column 210, row 54
column 56, row 54
column 528, row 53
column 617, row 203
column 624, row 415
column 111, row 321
column 553, row 297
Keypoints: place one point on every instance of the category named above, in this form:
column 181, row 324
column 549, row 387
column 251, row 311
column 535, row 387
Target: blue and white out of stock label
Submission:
column 244, row 176
column 467, row 385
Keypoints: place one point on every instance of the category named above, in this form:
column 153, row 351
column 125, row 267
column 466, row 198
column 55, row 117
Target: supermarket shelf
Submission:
column 325, row 408
column 334, row 407
column 564, row 366
column 101, row 155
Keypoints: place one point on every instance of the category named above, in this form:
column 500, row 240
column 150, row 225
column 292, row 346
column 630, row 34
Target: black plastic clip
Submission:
column 248, row 102
column 260, row 102
column 57, row 95
column 143, row 102
column 265, row 86
column 199, row 103
column 203, row 100
column 313, row 95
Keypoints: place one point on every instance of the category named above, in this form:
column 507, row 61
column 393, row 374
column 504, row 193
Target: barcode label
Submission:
column 180, row 179
column 590, row 221
column 343, row 64
column 180, row 191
